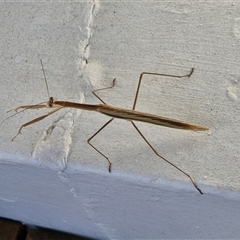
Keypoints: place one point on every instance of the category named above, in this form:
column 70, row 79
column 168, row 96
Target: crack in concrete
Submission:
column 85, row 45
column 58, row 135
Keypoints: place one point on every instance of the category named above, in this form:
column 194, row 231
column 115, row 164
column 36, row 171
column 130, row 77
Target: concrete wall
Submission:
column 51, row 177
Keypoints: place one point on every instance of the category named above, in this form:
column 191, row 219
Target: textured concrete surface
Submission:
column 83, row 46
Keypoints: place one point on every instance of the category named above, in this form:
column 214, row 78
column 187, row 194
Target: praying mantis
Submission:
column 116, row 112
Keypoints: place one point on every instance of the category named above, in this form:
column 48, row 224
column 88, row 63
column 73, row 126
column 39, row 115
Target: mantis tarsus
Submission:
column 116, row 112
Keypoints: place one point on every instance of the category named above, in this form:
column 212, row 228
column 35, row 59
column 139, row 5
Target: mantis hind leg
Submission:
column 167, row 161
column 156, row 74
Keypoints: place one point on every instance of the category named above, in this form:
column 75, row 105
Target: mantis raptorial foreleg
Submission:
column 34, row 120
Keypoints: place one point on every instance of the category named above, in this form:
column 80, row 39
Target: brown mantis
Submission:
column 115, row 112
